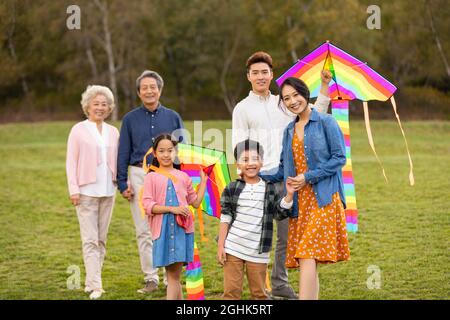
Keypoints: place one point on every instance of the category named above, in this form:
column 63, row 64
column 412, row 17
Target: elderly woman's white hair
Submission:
column 91, row 92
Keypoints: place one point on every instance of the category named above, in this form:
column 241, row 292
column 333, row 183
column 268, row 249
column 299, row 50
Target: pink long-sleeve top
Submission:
column 84, row 155
column 155, row 185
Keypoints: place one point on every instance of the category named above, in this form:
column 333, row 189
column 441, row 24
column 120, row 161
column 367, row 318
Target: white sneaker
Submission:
column 88, row 290
column 95, row 294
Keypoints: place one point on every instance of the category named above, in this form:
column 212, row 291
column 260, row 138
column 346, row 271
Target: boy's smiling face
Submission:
column 249, row 163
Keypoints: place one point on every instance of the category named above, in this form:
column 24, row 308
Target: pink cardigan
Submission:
column 155, row 185
column 83, row 156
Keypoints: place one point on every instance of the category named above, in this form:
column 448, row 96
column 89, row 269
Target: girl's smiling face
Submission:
column 165, row 153
column 293, row 101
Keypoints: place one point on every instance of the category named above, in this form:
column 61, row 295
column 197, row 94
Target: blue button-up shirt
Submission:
column 324, row 147
column 139, row 129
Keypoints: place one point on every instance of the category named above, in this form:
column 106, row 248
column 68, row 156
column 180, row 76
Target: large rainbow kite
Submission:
column 351, row 79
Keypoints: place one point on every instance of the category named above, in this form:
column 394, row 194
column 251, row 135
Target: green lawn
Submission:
column 403, row 230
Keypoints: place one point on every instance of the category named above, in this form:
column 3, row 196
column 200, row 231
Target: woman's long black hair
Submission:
column 164, row 136
column 299, row 86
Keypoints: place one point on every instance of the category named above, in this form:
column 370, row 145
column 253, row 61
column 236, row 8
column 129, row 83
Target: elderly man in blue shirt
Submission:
column 139, row 129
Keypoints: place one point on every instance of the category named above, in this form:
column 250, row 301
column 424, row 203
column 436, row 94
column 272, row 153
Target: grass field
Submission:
column 403, row 230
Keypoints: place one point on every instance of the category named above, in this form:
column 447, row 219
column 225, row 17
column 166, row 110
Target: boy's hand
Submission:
column 184, row 211
column 221, row 255
column 290, row 188
column 325, row 76
column 297, row 182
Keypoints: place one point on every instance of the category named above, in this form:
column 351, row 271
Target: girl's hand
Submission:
column 203, row 176
column 325, row 76
column 75, row 199
column 184, row 211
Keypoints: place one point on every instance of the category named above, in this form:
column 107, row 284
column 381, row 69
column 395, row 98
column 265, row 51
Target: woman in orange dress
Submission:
column 311, row 164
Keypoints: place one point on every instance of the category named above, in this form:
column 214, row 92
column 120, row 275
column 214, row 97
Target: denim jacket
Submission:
column 324, row 147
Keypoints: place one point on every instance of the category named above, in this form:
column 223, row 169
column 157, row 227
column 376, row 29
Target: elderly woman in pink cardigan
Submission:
column 91, row 174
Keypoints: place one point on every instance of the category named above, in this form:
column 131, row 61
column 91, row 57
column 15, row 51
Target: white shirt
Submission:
column 103, row 186
column 259, row 118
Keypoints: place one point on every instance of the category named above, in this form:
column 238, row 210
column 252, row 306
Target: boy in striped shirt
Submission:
column 249, row 206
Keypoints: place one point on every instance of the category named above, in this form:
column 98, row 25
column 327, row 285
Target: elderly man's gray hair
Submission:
column 150, row 74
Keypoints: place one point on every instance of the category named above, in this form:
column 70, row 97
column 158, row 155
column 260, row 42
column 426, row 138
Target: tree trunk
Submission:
column 228, row 97
column 12, row 51
column 107, row 45
column 178, row 79
column 293, row 52
column 436, row 39
column 90, row 56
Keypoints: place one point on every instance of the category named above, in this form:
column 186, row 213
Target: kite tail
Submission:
column 369, row 135
column 144, row 161
column 201, row 225
column 268, row 287
column 141, row 192
column 411, row 174
column 194, row 278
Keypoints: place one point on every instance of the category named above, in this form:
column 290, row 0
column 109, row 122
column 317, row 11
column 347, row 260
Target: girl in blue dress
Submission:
column 167, row 194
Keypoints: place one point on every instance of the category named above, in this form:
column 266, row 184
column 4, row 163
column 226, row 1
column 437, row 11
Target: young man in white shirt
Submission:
column 258, row 117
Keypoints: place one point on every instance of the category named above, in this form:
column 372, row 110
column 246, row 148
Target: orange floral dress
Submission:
column 317, row 233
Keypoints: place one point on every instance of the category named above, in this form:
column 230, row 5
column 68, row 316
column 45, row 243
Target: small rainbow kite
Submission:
column 351, row 79
column 214, row 163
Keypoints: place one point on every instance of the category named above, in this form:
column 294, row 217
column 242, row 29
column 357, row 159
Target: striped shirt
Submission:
column 245, row 233
column 273, row 208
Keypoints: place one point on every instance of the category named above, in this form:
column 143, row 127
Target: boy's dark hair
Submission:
column 257, row 57
column 247, row 145
column 161, row 137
